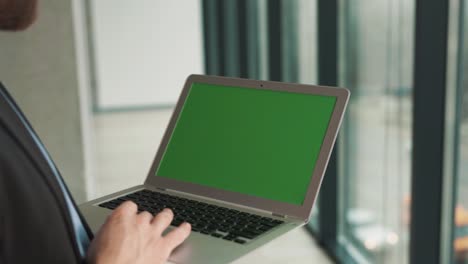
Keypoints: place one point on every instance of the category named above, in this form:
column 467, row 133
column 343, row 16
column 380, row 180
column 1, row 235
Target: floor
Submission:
column 125, row 145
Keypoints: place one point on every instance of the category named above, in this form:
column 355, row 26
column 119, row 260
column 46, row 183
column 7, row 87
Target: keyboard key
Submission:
column 248, row 235
column 229, row 237
column 224, row 229
column 206, row 231
column 278, row 222
column 240, row 241
column 216, row 235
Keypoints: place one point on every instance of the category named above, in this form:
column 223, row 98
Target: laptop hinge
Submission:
column 162, row 189
column 279, row 215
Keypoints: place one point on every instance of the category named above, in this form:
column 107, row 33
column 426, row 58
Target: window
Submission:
column 460, row 221
column 376, row 65
column 395, row 70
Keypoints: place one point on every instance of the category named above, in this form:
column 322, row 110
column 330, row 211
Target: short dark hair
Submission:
column 17, row 14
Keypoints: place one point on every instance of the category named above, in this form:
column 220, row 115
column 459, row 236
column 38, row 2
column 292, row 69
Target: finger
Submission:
column 162, row 220
column 144, row 217
column 125, row 209
column 176, row 236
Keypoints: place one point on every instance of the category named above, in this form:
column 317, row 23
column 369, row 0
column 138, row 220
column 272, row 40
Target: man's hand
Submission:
column 128, row 237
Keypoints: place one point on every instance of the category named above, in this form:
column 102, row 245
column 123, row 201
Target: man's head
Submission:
column 17, row 14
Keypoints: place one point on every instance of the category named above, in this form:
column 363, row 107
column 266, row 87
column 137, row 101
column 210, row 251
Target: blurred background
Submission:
column 99, row 80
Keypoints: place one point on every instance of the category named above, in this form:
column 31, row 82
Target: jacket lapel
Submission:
column 13, row 123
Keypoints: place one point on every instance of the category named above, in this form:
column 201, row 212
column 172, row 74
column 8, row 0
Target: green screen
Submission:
column 257, row 142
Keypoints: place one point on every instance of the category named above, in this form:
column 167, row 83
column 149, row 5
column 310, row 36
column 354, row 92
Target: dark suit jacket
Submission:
column 36, row 225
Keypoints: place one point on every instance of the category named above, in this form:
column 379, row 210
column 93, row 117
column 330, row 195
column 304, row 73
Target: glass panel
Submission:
column 376, row 41
column 460, row 227
column 289, row 40
column 307, row 41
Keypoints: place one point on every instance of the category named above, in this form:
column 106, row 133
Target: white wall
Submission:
column 39, row 67
column 144, row 50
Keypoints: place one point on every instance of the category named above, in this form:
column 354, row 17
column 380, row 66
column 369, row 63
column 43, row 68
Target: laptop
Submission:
column 241, row 160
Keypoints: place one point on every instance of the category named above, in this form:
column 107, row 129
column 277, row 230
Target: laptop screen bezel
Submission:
column 302, row 211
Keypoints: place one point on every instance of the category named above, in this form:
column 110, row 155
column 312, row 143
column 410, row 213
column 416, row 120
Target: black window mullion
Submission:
column 274, row 40
column 242, row 14
column 428, row 130
column 220, row 37
column 327, row 15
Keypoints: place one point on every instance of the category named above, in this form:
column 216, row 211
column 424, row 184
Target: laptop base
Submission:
column 198, row 248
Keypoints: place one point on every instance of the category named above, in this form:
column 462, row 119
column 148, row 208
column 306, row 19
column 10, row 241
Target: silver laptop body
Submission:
column 203, row 248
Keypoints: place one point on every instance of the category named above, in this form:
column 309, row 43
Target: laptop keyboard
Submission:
column 219, row 222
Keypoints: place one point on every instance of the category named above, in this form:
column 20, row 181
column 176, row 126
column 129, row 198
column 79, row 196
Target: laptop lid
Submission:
column 259, row 144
